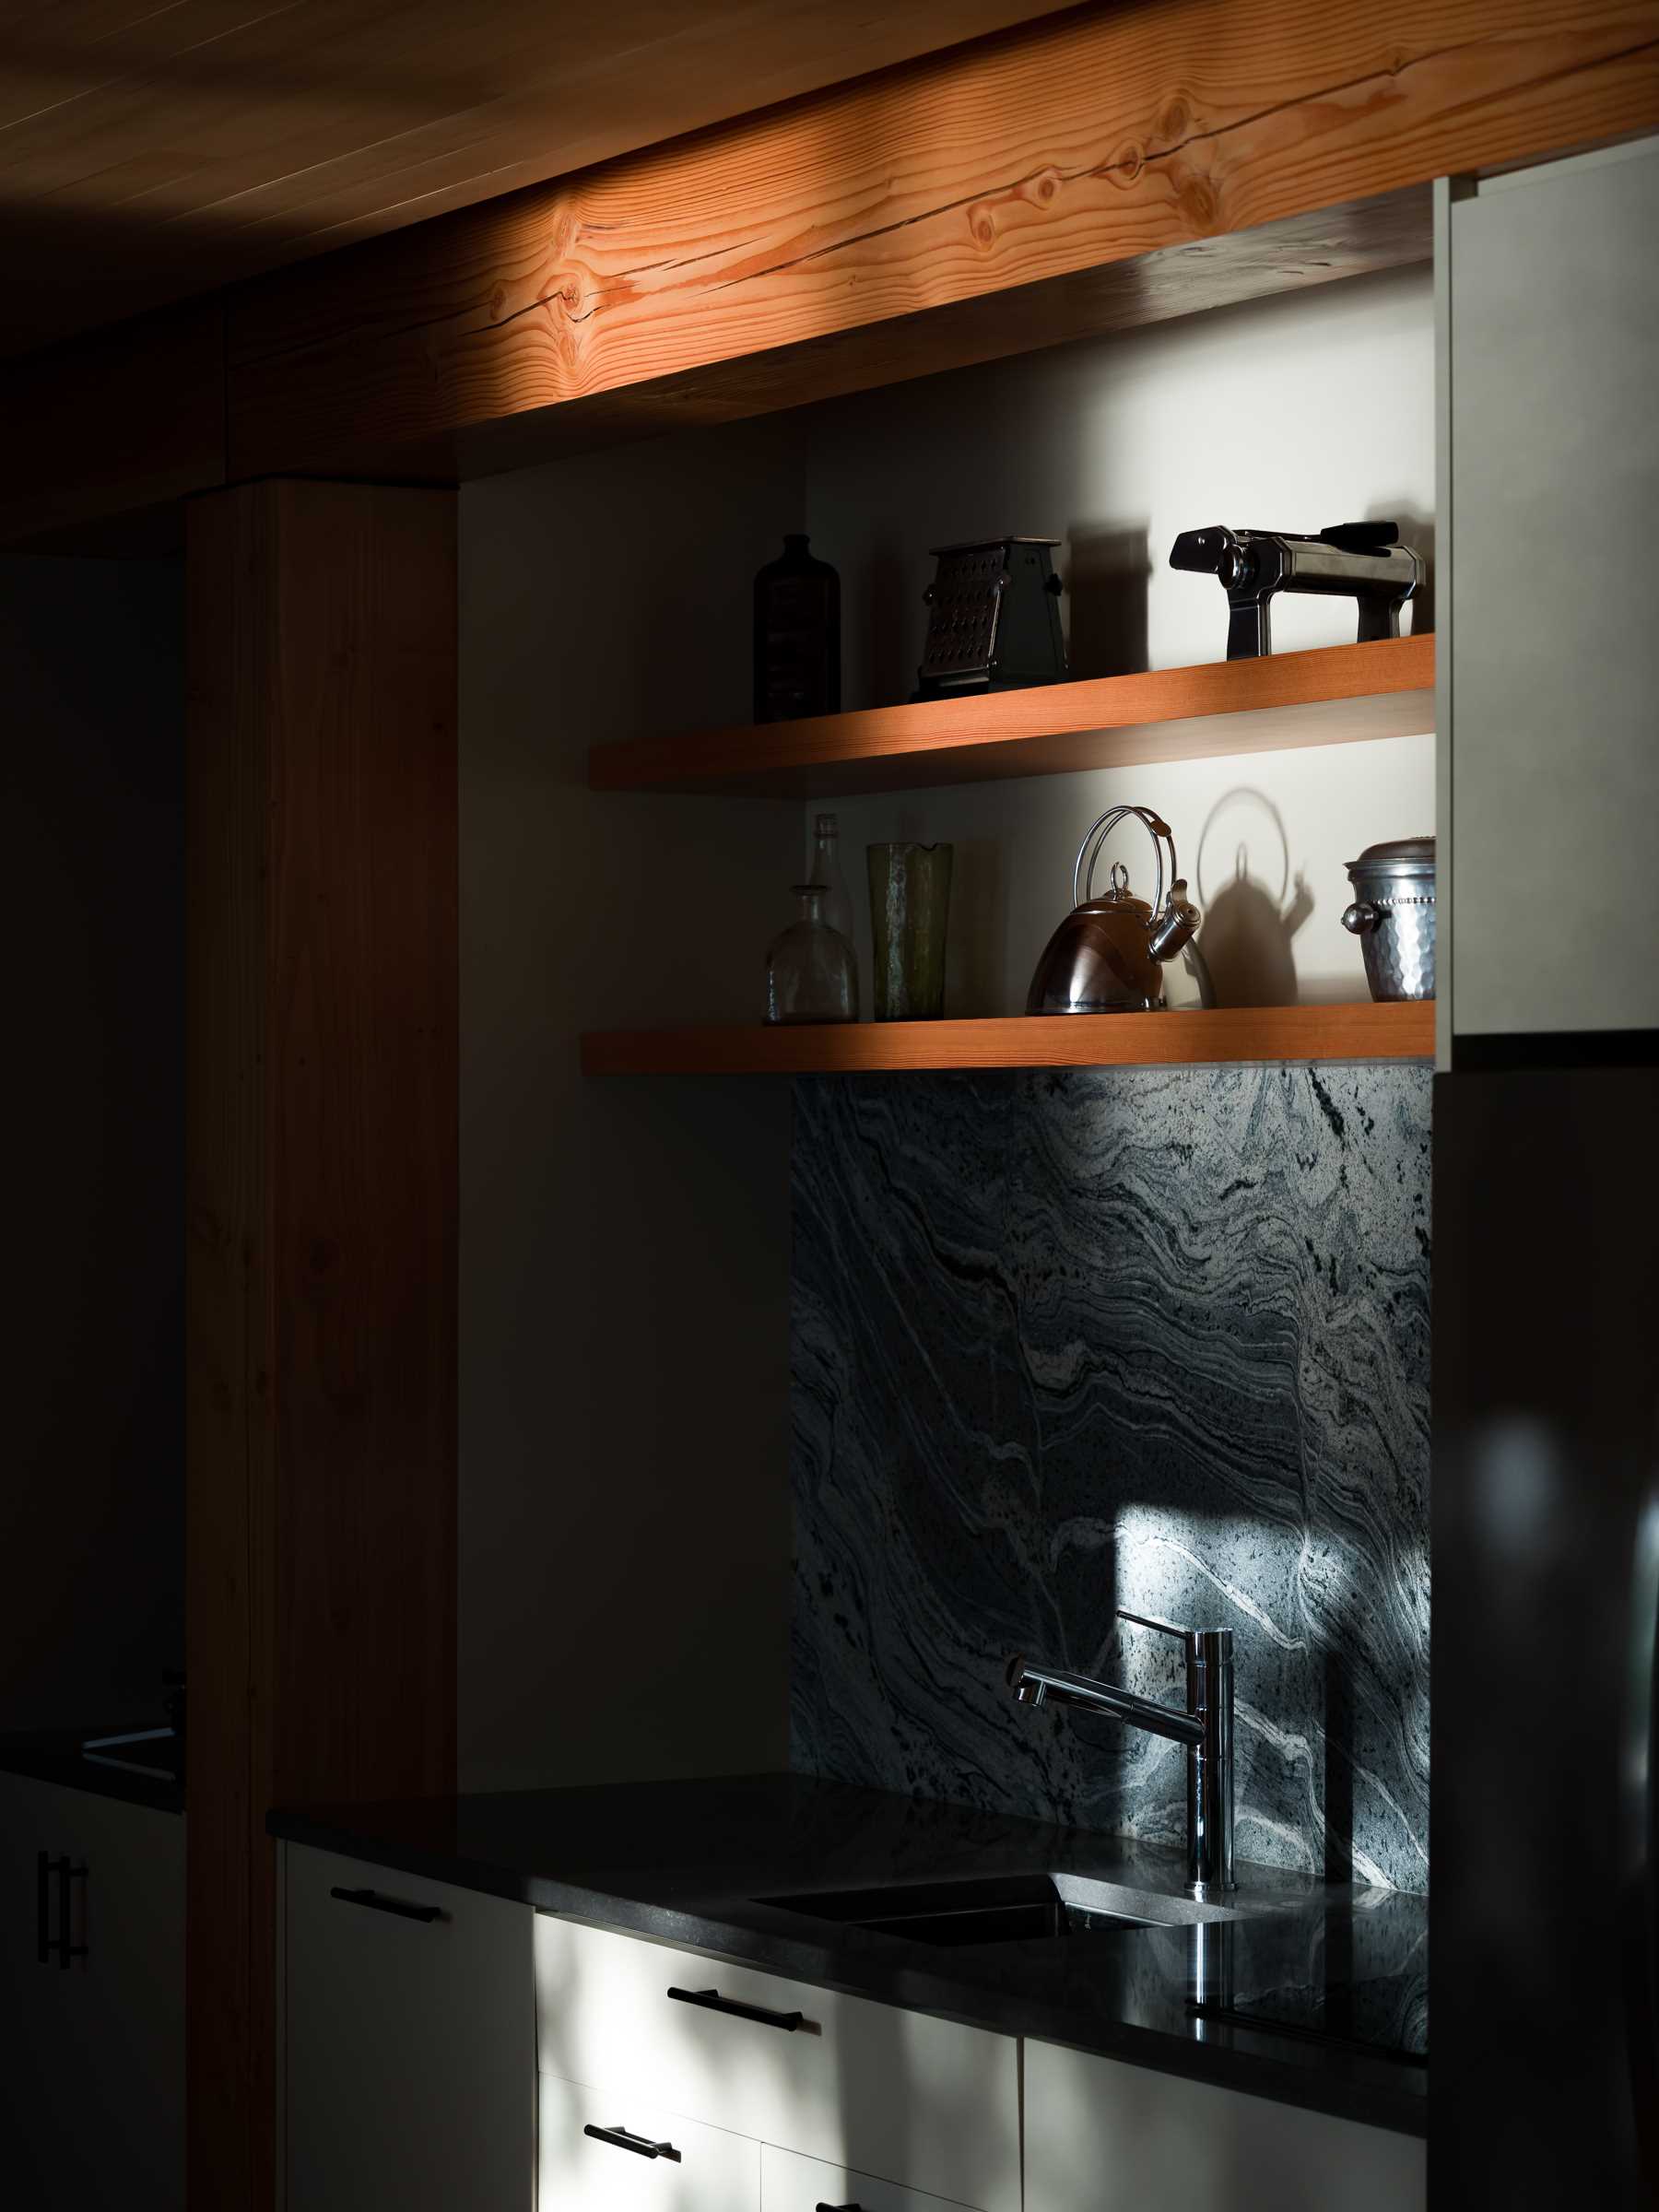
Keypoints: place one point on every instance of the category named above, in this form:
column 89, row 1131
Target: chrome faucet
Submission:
column 1205, row 1727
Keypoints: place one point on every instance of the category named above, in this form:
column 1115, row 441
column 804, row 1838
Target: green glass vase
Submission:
column 910, row 906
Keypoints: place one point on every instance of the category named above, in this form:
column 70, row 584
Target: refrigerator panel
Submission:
column 1545, row 2090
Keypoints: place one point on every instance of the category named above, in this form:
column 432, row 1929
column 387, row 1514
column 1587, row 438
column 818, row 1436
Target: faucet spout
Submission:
column 1205, row 1727
column 1035, row 1684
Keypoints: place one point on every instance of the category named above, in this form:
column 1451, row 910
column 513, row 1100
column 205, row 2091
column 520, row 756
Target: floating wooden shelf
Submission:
column 1336, row 696
column 1178, row 1039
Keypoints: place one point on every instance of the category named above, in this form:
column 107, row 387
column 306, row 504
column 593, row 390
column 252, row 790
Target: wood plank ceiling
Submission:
column 154, row 148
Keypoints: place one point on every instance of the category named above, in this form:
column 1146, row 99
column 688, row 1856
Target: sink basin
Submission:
column 1018, row 1907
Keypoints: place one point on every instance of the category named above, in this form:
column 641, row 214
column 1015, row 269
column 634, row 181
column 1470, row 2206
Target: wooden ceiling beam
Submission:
column 1099, row 169
column 1094, row 139
column 121, row 424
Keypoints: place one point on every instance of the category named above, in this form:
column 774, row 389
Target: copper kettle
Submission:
column 1105, row 956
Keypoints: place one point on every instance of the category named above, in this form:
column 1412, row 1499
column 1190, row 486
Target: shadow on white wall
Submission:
column 1251, row 918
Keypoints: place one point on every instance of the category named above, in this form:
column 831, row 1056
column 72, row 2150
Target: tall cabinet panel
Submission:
column 1545, row 1949
column 1550, row 351
column 1544, row 1955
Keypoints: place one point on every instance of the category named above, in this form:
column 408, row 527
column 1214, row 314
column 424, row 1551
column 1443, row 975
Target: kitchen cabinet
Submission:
column 926, row 2104
column 408, row 2042
column 1550, row 466
column 444, row 2047
column 1101, row 2136
column 602, row 2151
column 91, row 2051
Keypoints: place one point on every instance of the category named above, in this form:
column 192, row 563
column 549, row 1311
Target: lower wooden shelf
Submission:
column 1182, row 1038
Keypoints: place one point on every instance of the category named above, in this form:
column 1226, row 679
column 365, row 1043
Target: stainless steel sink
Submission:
column 1020, row 1907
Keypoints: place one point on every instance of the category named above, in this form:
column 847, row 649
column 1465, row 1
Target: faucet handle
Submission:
column 1163, row 1627
column 1217, row 1641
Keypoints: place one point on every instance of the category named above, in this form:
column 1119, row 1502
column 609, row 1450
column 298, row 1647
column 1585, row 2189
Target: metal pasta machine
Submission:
column 1359, row 561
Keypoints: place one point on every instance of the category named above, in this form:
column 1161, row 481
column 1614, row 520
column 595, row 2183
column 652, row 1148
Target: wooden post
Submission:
column 322, row 1191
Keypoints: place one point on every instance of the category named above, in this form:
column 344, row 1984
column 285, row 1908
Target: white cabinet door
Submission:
column 91, row 2055
column 39, row 2121
column 1101, row 2136
column 928, row 2103
column 409, row 2041
column 1549, row 300
column 792, row 2183
column 605, row 2152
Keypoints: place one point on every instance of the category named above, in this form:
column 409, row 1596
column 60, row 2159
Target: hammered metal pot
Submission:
column 1392, row 916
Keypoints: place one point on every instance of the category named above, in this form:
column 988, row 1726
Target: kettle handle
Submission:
column 1083, row 887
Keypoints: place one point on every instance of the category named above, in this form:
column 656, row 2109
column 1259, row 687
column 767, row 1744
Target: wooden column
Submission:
column 322, row 1189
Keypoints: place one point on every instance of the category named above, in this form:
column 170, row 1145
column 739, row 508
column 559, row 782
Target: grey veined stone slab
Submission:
column 1067, row 1341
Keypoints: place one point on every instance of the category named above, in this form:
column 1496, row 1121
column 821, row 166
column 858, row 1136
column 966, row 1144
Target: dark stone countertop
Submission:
column 54, row 1754
column 687, row 1862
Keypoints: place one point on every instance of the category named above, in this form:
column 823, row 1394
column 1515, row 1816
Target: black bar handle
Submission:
column 712, row 2001
column 396, row 1905
column 64, row 1945
column 841, row 2208
column 620, row 2139
column 62, row 1942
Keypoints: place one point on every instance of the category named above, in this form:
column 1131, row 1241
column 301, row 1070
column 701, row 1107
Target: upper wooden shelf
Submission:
column 1184, row 1037
column 1334, row 696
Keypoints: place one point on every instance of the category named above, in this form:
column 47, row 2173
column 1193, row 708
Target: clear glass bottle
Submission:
column 826, row 868
column 810, row 975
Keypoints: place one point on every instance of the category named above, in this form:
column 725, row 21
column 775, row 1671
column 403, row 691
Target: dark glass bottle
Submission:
column 797, row 636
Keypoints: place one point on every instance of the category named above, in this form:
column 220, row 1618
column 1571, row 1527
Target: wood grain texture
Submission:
column 147, row 151
column 321, row 1181
column 1095, row 138
column 1361, row 237
column 122, row 423
column 1337, row 695
column 1183, row 1037
column 228, row 1437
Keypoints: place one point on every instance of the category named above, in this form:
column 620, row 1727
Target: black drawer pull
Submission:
column 620, row 2139
column 712, row 2001
column 841, row 2208
column 66, row 1872
column 377, row 1903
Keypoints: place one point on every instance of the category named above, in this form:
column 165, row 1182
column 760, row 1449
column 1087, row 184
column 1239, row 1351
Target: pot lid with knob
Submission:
column 1396, row 856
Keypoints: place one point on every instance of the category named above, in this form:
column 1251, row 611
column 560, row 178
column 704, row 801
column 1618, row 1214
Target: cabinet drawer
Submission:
column 792, row 2183
column 710, row 2170
column 867, row 2087
column 1101, row 2136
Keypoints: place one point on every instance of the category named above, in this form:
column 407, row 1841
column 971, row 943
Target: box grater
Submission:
column 993, row 619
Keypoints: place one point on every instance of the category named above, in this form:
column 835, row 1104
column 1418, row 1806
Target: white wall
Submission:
column 624, row 1537
column 1294, row 413
column 92, row 1493
column 625, row 1534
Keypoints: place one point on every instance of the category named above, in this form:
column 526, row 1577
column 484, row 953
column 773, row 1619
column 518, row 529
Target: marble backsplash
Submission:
column 1065, row 1342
